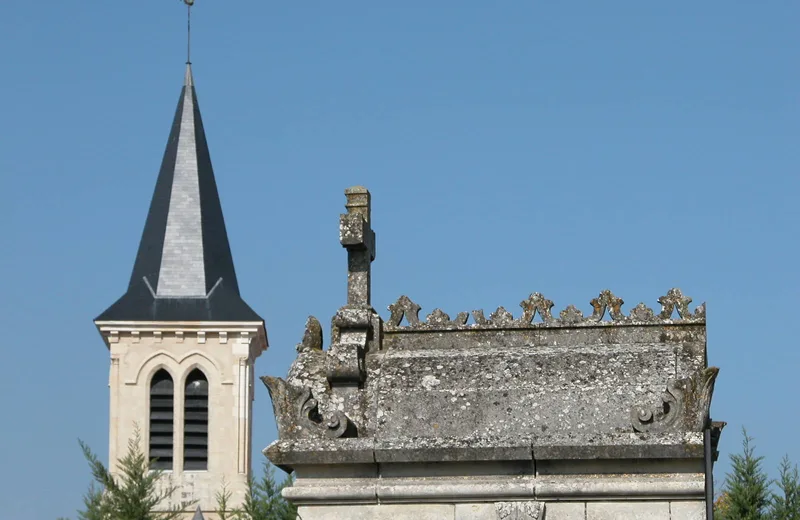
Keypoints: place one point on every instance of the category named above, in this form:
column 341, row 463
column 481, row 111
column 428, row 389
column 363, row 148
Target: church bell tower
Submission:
column 182, row 340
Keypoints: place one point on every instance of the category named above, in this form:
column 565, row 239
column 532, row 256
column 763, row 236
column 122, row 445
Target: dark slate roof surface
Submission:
column 184, row 267
column 198, row 514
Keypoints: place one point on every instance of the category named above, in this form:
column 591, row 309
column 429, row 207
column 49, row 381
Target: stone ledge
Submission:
column 321, row 451
column 463, row 490
column 468, row 489
column 651, row 487
column 397, row 491
column 621, row 446
column 608, row 447
column 450, row 450
column 365, row 493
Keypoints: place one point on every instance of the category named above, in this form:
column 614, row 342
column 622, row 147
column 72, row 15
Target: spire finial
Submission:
column 189, row 4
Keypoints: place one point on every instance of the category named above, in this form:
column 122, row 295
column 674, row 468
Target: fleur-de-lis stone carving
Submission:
column 479, row 317
column 501, row 317
column 700, row 311
column 607, row 300
column 571, row 315
column 642, row 313
column 404, row 307
column 533, row 304
column 674, row 299
column 438, row 317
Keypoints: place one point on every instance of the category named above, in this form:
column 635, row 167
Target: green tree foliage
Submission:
column 132, row 494
column 746, row 493
column 785, row 502
column 223, row 497
column 264, row 501
column 746, row 488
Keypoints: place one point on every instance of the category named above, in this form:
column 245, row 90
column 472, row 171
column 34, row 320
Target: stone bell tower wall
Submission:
column 226, row 355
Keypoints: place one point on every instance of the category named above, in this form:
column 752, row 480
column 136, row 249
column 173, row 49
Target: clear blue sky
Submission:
column 511, row 147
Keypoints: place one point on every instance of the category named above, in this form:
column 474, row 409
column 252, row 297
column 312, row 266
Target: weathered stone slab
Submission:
column 565, row 511
column 475, row 512
column 688, row 510
column 379, row 512
column 611, row 487
column 524, row 391
column 627, row 511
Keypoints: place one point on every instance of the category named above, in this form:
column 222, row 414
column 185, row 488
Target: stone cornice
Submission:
column 200, row 332
column 684, row 445
column 667, row 486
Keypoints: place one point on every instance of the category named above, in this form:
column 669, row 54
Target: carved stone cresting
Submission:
column 501, row 317
column 536, row 304
column 674, row 299
column 642, row 313
column 607, row 301
column 528, row 510
column 571, row 315
column 684, row 405
column 440, row 318
column 404, row 307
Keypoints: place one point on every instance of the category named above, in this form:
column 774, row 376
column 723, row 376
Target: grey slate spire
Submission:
column 198, row 514
column 184, row 268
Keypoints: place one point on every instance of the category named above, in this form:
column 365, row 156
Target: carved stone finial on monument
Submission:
column 357, row 236
column 356, row 327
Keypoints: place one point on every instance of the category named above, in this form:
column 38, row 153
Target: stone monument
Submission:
column 538, row 416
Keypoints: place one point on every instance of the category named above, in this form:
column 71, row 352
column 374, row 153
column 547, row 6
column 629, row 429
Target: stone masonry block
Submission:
column 634, row 510
column 688, row 510
column 475, row 512
column 565, row 511
column 379, row 512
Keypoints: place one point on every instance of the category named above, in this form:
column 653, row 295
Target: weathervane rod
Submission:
column 189, row 4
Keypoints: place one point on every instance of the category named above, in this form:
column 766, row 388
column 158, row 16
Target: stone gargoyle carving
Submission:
column 299, row 402
column 684, row 407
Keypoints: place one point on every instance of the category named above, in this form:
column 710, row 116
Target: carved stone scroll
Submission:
column 297, row 413
column 684, row 405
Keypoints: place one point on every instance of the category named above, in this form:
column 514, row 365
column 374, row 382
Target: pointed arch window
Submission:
column 162, row 399
column 195, row 422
